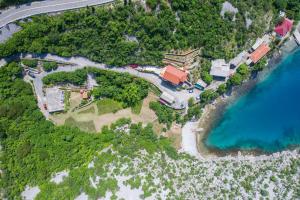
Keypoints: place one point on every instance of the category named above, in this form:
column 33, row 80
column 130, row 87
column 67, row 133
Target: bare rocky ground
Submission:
column 157, row 176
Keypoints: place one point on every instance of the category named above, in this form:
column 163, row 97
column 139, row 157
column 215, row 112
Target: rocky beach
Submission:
column 213, row 112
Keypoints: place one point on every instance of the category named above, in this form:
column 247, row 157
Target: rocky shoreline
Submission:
column 213, row 112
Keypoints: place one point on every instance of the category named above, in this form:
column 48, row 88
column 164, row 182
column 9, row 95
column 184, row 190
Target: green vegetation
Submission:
column 242, row 73
column 260, row 65
column 90, row 110
column 121, row 87
column 292, row 7
column 194, row 112
column 87, row 126
column 49, row 66
column 136, row 109
column 165, row 114
column 77, row 77
column 67, row 96
column 155, row 90
column 208, row 96
column 33, row 148
column 30, row 63
column 101, row 33
column 222, row 89
column 5, row 3
column 205, row 69
column 108, row 106
column 235, row 80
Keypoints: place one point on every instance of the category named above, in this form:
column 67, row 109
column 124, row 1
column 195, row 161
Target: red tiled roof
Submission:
column 260, row 52
column 174, row 75
column 283, row 28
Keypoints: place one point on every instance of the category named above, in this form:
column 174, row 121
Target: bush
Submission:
column 30, row 63
column 207, row 78
column 222, row 89
column 49, row 66
column 260, row 65
column 208, row 96
column 244, row 71
column 235, row 80
column 165, row 115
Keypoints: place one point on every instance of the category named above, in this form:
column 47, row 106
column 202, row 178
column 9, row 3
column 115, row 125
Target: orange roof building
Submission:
column 174, row 75
column 259, row 53
column 85, row 95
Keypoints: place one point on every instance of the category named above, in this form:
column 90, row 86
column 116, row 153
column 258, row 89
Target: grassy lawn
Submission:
column 67, row 96
column 85, row 126
column 137, row 108
column 155, row 90
column 108, row 106
column 90, row 110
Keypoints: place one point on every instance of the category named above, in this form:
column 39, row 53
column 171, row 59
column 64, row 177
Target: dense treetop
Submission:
column 129, row 34
column 5, row 3
column 121, row 87
column 33, row 148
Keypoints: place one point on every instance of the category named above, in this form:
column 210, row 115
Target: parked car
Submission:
column 134, row 66
column 31, row 74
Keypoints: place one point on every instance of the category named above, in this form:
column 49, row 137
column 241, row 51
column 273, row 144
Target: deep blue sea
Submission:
column 267, row 118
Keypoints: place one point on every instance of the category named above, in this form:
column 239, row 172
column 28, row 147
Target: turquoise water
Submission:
column 268, row 117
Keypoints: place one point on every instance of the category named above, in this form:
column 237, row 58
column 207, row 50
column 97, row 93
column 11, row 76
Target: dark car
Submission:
column 134, row 66
column 31, row 74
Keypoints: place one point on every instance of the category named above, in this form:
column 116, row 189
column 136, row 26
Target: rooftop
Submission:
column 285, row 27
column 258, row 42
column 260, row 52
column 167, row 97
column 174, row 75
column 220, row 68
column 55, row 99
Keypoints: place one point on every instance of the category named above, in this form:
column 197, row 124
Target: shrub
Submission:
column 30, row 63
column 208, row 96
column 49, row 66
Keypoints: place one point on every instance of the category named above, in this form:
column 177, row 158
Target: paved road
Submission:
column 20, row 12
column 81, row 62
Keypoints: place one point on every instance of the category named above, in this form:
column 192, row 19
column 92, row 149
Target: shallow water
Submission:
column 268, row 117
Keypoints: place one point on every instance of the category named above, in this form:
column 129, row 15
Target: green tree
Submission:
column 131, row 94
column 244, row 71
column 280, row 4
column 235, row 80
column 48, row 66
column 208, row 96
column 191, row 101
column 222, row 89
column 260, row 65
column 206, row 77
column 30, row 63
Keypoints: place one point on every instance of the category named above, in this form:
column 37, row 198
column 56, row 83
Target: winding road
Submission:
column 74, row 63
column 15, row 13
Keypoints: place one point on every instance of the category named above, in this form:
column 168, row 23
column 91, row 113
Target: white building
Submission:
column 167, row 98
column 55, row 99
column 258, row 42
column 220, row 69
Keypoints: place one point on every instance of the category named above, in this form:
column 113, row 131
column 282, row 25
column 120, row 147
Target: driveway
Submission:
column 75, row 63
